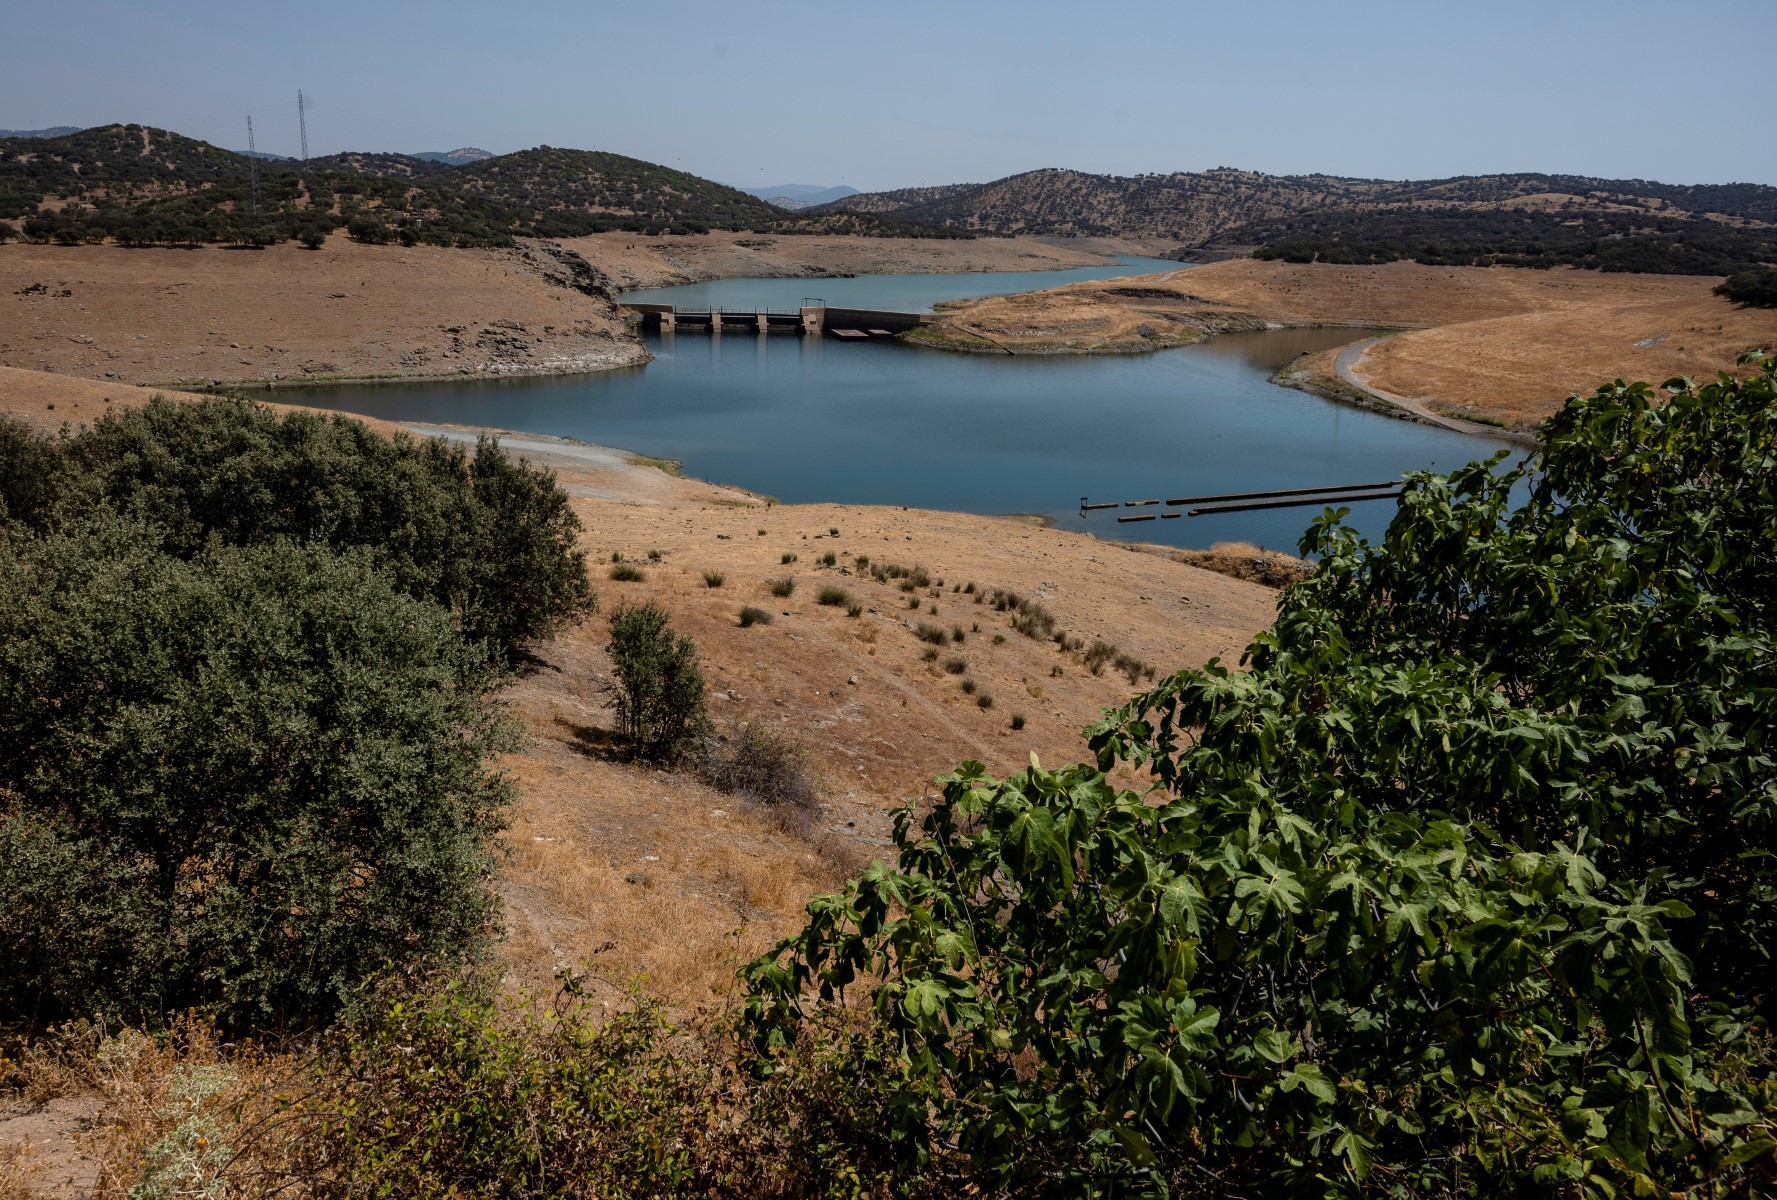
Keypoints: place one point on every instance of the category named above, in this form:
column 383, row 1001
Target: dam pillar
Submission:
column 669, row 321
column 715, row 321
column 764, row 323
column 812, row 319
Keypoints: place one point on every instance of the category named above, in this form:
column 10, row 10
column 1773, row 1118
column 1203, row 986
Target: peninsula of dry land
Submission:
column 1497, row 345
column 285, row 315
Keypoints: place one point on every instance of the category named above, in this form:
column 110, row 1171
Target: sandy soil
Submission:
column 1497, row 345
column 635, row 261
column 289, row 315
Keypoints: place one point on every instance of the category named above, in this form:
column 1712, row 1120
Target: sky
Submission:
column 913, row 93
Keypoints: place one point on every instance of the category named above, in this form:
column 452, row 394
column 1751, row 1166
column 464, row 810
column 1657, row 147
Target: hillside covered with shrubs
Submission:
column 141, row 186
column 1529, row 220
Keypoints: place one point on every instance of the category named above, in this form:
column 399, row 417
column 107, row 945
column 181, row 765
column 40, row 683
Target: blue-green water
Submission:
column 816, row 419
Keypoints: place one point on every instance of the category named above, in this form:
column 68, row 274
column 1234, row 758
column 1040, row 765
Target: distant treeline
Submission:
column 1514, row 237
column 140, row 186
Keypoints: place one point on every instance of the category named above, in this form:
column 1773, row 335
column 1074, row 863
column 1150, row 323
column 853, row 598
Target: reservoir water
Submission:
column 815, row 419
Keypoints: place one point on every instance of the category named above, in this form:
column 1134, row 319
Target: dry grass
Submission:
column 169, row 316
column 1498, row 344
column 637, row 870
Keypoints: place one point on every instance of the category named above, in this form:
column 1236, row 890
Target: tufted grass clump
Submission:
column 782, row 587
column 833, row 596
column 854, row 610
column 956, row 666
column 968, row 687
column 628, row 573
column 789, row 556
column 927, row 632
column 829, row 559
column 751, row 615
column 714, row 579
column 1017, row 721
column 984, row 701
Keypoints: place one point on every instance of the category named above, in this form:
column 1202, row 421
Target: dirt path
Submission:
column 1350, row 358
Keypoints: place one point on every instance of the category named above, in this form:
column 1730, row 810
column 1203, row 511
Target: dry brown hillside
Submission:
column 1494, row 344
column 287, row 315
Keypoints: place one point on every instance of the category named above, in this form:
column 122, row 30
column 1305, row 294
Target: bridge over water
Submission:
column 812, row 319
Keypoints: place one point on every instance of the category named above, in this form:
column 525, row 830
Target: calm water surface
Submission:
column 816, row 419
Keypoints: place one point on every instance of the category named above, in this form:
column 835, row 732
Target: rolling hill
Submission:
column 140, row 185
column 1527, row 219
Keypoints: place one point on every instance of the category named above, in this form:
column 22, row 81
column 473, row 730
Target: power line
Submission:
column 302, row 120
column 253, row 164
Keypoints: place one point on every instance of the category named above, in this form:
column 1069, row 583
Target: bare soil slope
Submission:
column 285, row 315
column 1495, row 344
column 653, row 871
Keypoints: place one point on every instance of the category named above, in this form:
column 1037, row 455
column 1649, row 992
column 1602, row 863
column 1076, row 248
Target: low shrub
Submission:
column 854, row 610
column 1100, row 655
column 968, row 687
column 653, row 556
column 833, row 596
column 829, row 559
column 789, row 556
column 659, row 689
column 955, row 666
column 832, row 532
column 984, row 700
column 927, row 632
column 956, row 633
column 763, row 763
column 1017, row 721
column 929, row 654
column 750, row 616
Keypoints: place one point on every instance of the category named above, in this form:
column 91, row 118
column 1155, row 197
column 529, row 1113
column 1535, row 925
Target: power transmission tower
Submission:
column 253, row 164
column 303, row 122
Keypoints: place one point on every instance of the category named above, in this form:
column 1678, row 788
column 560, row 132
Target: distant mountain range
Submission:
column 52, row 131
column 140, row 185
column 1519, row 219
column 798, row 196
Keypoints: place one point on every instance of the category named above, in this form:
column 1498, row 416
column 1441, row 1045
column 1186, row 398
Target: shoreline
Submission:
column 1492, row 351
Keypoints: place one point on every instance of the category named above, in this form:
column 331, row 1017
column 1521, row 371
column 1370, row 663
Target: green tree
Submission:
column 1464, row 888
column 245, row 781
column 659, row 690
column 1757, row 286
column 483, row 534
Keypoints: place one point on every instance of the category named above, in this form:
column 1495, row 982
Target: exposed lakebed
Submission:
column 814, row 419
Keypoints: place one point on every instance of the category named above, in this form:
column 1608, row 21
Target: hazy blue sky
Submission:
column 909, row 92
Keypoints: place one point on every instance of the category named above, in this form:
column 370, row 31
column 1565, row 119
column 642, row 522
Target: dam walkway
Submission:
column 810, row 319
